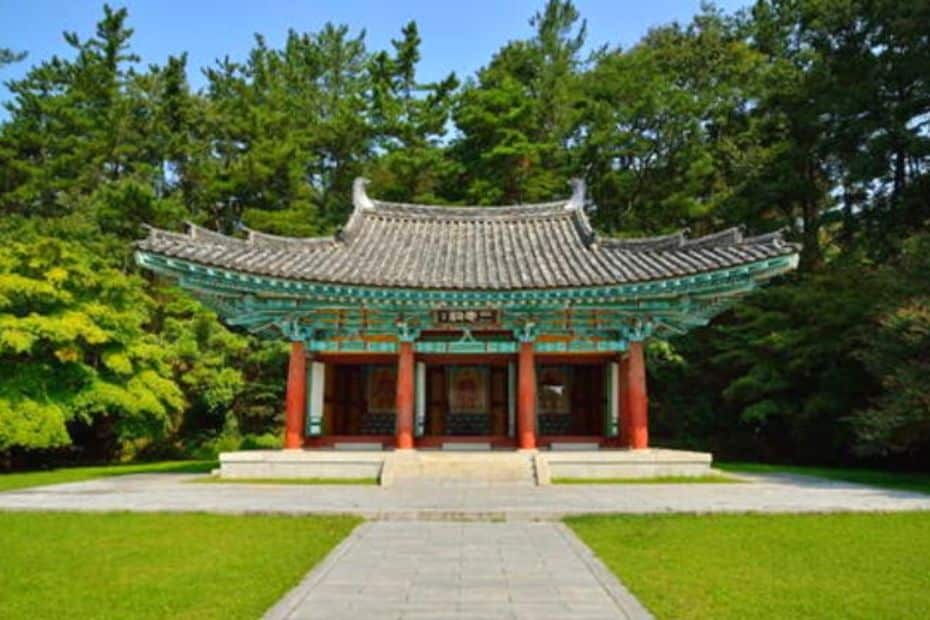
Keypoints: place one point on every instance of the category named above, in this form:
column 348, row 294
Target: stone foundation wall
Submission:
column 492, row 466
column 301, row 464
column 650, row 463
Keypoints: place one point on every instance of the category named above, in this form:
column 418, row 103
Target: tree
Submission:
column 896, row 352
column 8, row 56
column 410, row 120
column 73, row 347
column 667, row 137
column 519, row 118
column 81, row 139
column 283, row 134
column 808, row 114
column 231, row 382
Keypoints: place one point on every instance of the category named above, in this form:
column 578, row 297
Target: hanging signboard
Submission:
column 455, row 318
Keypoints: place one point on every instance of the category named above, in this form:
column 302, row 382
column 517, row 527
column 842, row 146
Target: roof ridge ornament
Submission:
column 576, row 201
column 360, row 199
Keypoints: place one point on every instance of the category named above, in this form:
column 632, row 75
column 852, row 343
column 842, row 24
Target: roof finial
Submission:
column 360, row 199
column 578, row 190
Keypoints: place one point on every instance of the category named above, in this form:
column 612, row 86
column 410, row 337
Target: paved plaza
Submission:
column 476, row 501
column 437, row 570
column 463, row 550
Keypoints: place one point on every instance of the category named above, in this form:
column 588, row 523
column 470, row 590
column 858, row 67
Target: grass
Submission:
column 708, row 479
column 349, row 481
column 22, row 480
column 919, row 482
column 121, row 565
column 868, row 566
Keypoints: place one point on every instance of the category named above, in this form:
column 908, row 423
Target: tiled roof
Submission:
column 549, row 245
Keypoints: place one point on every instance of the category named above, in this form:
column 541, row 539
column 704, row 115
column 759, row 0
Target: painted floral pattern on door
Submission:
column 468, row 389
column 382, row 389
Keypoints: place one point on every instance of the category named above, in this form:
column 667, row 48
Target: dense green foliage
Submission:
column 866, row 566
column 123, row 565
column 73, row 347
column 805, row 114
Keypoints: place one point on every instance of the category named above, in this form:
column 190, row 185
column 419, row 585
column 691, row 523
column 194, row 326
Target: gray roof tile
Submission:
column 548, row 245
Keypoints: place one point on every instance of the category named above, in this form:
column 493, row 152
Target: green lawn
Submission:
column 121, row 565
column 22, row 480
column 889, row 480
column 867, row 566
column 709, row 479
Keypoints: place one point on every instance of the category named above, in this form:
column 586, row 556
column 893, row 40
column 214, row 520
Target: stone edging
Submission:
column 628, row 604
column 287, row 604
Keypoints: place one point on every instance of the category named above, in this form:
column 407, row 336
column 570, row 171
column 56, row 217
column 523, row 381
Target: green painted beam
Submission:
column 333, row 317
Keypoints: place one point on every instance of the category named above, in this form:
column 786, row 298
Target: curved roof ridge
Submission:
column 362, row 202
column 658, row 243
column 280, row 242
column 200, row 233
column 679, row 240
column 776, row 237
column 162, row 235
column 723, row 238
column 553, row 207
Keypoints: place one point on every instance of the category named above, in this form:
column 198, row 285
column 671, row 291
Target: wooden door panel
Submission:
column 498, row 412
column 587, row 400
column 435, row 400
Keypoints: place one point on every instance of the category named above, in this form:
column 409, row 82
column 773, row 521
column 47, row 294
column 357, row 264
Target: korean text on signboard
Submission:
column 466, row 317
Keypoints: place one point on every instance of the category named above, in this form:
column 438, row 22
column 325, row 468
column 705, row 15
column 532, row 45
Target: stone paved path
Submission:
column 176, row 492
column 399, row 568
column 432, row 571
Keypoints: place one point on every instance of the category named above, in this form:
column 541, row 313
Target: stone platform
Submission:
column 527, row 467
column 601, row 464
column 273, row 464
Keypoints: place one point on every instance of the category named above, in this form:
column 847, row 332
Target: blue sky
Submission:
column 457, row 36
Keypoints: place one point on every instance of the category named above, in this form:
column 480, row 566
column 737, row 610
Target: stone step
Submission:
column 444, row 467
column 464, row 446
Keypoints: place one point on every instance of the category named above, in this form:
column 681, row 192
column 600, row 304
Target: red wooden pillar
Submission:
column 637, row 403
column 405, row 397
column 526, row 397
column 296, row 400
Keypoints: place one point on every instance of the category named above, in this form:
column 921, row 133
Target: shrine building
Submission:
column 419, row 326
